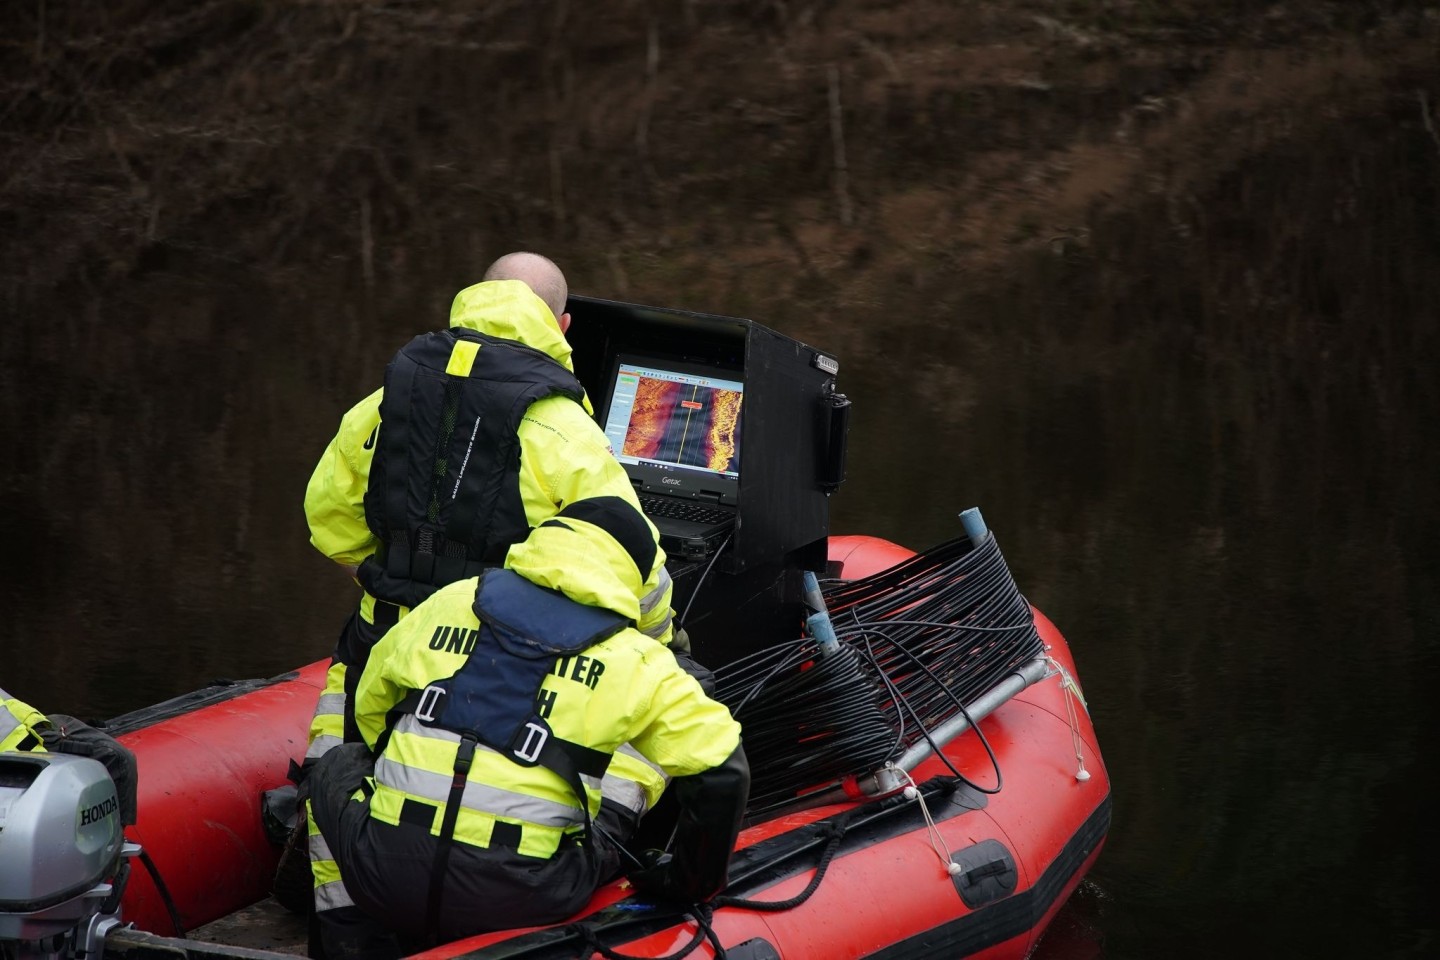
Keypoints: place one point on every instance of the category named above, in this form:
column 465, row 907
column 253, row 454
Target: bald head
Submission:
column 538, row 273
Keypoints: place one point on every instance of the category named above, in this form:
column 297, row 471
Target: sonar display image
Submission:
column 685, row 424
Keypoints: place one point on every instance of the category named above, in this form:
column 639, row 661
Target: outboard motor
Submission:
column 63, row 856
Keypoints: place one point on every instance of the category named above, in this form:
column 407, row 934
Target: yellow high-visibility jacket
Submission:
column 564, row 457
column 625, row 690
column 564, row 454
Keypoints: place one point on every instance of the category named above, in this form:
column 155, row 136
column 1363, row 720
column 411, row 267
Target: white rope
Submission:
column 937, row 842
column 1072, row 694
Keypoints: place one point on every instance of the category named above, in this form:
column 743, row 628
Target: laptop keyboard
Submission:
column 674, row 509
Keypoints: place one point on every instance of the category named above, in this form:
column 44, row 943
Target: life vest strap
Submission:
column 426, row 705
column 404, row 577
column 464, row 757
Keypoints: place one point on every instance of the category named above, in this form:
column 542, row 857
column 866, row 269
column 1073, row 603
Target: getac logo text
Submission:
column 670, row 480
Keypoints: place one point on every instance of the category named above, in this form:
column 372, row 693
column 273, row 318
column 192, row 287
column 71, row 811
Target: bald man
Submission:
column 539, row 274
column 480, row 433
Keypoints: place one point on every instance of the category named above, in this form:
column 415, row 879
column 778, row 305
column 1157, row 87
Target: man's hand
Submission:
column 653, row 880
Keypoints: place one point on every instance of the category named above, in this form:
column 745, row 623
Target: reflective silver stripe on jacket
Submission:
column 321, row 745
column 318, row 849
column 329, row 705
column 9, row 723
column 481, row 797
column 410, row 726
column 330, row 895
column 628, row 793
column 648, row 602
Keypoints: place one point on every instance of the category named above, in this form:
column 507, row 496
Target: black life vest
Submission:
column 444, row 492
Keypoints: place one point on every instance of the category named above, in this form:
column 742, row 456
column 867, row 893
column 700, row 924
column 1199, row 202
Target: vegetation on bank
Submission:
column 741, row 154
column 216, row 218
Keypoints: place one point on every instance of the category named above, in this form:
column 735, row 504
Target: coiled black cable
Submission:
column 936, row 748
column 807, row 719
column 919, row 641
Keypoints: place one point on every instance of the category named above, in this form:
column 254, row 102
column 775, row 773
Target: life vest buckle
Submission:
column 425, row 712
column 536, row 735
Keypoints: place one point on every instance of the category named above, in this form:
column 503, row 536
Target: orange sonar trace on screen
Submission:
column 724, row 418
column 686, row 424
column 649, row 417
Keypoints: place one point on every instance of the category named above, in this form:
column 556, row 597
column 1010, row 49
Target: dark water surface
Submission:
column 1206, row 441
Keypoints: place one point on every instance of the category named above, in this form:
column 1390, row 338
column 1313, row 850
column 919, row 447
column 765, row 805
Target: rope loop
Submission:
column 834, row 832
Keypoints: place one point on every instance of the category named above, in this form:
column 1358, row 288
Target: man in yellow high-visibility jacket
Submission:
column 493, row 712
column 486, row 433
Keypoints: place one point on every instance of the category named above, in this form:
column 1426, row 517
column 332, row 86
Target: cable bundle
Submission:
column 945, row 625
column 950, row 619
column 807, row 720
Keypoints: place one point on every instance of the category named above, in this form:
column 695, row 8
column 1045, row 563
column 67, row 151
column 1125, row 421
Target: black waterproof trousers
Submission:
column 388, row 868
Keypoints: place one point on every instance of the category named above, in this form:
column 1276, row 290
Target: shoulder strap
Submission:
column 393, row 441
column 487, row 513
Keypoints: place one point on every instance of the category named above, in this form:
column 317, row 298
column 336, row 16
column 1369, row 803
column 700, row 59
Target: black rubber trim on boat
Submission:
column 1011, row 917
column 127, row 943
column 752, row 870
column 217, row 692
column 766, row 863
column 756, row 949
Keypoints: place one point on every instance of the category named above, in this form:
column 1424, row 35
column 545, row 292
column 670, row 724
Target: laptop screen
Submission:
column 676, row 426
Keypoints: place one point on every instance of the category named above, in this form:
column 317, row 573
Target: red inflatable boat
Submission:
column 914, row 855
